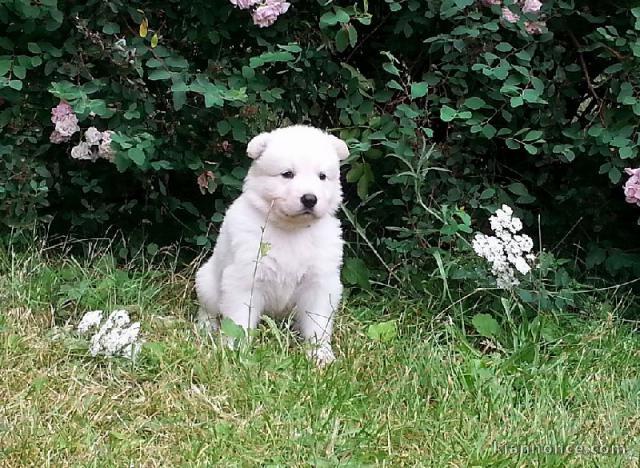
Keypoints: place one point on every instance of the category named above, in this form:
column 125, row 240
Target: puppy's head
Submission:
column 295, row 174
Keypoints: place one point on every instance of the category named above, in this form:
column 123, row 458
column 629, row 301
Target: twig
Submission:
column 362, row 234
column 364, row 39
column 586, row 71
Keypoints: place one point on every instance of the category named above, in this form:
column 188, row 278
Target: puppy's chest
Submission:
column 286, row 259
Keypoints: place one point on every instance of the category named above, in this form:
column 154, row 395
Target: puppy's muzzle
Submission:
column 308, row 200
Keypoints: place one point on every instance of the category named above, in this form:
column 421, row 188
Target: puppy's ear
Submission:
column 340, row 146
column 257, row 145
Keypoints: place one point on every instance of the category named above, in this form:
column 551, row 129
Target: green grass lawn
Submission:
column 435, row 395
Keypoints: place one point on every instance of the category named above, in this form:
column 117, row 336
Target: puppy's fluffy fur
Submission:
column 299, row 269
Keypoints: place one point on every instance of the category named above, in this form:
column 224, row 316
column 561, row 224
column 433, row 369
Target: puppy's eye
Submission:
column 323, row 176
column 287, row 175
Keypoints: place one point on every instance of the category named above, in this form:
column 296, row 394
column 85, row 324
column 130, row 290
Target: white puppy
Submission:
column 279, row 250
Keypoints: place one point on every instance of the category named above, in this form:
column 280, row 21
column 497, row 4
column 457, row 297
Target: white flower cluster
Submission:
column 506, row 251
column 97, row 144
column 116, row 336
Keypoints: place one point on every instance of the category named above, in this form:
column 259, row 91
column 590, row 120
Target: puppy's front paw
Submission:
column 206, row 322
column 322, row 355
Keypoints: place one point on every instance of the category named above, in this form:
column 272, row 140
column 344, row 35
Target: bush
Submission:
column 450, row 110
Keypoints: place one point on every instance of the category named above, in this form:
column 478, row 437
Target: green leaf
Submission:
column 34, row 48
column 486, row 325
column 179, row 99
column 626, row 152
column 487, row 193
column 355, row 272
column 19, row 71
column 533, row 135
column 15, row 84
column 354, row 174
column 447, row 114
column 474, row 103
column 504, row 47
column 489, row 131
column 248, row 72
column 270, row 57
column 111, row 28
column 159, row 75
column 154, row 40
column 393, row 84
column 328, row 19
column 614, row 175
column 516, row 101
column 419, row 90
column 353, row 35
column 176, row 62
column 231, row 329
column 136, row 155
column 391, row 68
column 512, row 144
column 5, row 66
column 531, row 95
column 223, row 127
column 518, row 188
column 383, row 331
column 342, row 40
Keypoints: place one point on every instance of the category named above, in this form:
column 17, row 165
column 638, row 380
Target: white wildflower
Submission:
column 90, row 320
column 117, row 336
column 507, row 251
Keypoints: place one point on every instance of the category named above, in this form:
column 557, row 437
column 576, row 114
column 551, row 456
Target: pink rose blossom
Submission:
column 68, row 125
column 65, row 121
column 104, row 150
column 267, row 13
column 244, row 4
column 56, row 138
column 632, row 186
column 531, row 6
column 61, row 111
column 509, row 16
column 93, row 136
column 82, row 151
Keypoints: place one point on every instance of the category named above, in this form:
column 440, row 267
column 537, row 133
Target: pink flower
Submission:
column 93, row 136
column 104, row 150
column 267, row 13
column 244, row 4
column 61, row 111
column 65, row 121
column 509, row 16
column 490, row 2
column 531, row 6
column 68, row 125
column 57, row 138
column 632, row 186
column 81, row 151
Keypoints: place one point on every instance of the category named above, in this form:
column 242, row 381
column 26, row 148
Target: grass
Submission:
column 431, row 396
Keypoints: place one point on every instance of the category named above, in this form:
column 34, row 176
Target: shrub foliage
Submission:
column 450, row 110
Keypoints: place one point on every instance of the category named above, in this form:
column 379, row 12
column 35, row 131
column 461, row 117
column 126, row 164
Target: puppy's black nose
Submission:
column 309, row 200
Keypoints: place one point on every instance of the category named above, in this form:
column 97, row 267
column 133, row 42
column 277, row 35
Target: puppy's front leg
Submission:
column 241, row 299
column 316, row 305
